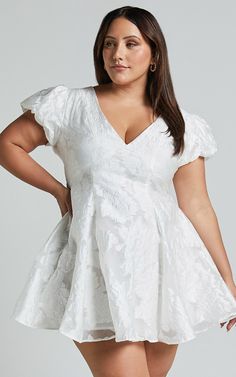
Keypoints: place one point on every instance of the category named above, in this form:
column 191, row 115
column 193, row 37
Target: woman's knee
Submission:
column 160, row 357
column 115, row 359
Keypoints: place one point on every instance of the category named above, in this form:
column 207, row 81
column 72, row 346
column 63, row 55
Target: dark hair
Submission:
column 159, row 87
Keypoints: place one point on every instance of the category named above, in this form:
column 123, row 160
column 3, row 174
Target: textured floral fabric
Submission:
column 128, row 264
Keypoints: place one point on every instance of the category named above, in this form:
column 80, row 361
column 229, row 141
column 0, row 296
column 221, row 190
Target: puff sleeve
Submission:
column 48, row 106
column 199, row 139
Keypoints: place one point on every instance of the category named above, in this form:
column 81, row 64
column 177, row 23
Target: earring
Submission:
column 152, row 69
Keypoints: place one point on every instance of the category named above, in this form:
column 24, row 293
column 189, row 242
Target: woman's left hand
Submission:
column 232, row 321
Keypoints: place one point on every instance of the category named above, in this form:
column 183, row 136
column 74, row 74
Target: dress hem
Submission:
column 151, row 340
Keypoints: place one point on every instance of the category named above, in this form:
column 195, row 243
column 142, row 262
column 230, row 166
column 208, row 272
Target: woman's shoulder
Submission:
column 194, row 122
column 69, row 90
column 190, row 115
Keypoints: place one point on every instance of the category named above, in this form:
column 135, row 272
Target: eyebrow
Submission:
column 110, row 36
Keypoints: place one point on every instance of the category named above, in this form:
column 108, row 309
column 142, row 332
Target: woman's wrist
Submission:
column 57, row 189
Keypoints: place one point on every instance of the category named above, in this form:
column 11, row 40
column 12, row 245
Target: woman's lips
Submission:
column 117, row 68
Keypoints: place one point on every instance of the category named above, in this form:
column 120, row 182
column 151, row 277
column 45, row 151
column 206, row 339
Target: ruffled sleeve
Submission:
column 48, row 106
column 199, row 139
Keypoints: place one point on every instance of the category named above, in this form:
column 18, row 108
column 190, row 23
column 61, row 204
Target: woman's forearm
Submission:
column 18, row 162
column 205, row 222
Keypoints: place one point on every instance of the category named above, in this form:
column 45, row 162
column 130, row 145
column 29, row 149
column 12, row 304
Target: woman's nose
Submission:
column 118, row 52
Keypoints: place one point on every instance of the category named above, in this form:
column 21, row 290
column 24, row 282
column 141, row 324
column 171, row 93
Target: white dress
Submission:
column 128, row 264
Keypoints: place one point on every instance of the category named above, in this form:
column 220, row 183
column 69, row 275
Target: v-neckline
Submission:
column 113, row 130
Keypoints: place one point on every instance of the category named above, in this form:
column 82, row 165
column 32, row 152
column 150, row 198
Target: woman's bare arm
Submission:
column 19, row 138
column 191, row 191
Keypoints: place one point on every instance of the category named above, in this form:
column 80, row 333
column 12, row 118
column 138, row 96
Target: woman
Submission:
column 131, row 270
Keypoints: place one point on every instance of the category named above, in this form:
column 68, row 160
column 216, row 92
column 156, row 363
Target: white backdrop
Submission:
column 44, row 44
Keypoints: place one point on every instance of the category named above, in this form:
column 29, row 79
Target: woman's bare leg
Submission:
column 115, row 359
column 160, row 357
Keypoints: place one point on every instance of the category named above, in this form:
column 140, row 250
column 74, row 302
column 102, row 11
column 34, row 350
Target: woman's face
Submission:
column 125, row 45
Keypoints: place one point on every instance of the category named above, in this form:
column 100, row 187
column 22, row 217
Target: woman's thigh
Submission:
column 160, row 357
column 109, row 358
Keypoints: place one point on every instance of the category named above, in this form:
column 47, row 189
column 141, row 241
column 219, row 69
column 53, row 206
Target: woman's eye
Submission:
column 131, row 44
column 108, row 43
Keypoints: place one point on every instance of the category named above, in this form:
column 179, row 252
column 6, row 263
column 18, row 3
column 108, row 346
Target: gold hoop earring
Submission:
column 152, row 69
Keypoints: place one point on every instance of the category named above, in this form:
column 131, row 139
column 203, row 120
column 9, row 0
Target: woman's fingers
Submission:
column 231, row 324
column 69, row 204
column 64, row 201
